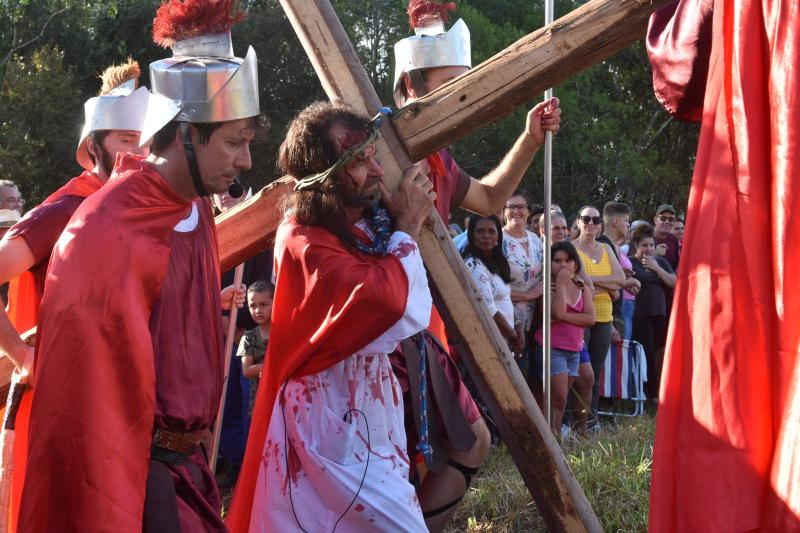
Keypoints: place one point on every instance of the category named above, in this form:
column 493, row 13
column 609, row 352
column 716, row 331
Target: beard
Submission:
column 106, row 159
column 368, row 195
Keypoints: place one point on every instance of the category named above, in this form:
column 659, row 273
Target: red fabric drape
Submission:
column 24, row 298
column 728, row 428
column 23, row 293
column 329, row 303
column 84, row 185
column 23, row 302
column 92, row 415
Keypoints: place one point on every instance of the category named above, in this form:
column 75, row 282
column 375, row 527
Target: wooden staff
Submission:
column 228, row 354
column 237, row 281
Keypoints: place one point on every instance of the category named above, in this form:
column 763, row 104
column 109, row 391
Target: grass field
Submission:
column 612, row 466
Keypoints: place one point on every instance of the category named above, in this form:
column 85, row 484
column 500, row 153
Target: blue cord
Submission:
column 423, row 446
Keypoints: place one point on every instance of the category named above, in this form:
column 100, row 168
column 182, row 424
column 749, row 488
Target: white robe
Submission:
column 330, row 420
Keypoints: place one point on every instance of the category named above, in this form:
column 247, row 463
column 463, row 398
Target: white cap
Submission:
column 432, row 47
column 121, row 109
column 8, row 217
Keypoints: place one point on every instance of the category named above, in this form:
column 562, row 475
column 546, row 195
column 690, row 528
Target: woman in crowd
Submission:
column 523, row 249
column 650, row 315
column 607, row 277
column 574, row 231
column 572, row 311
column 559, row 232
column 491, row 272
column 630, row 289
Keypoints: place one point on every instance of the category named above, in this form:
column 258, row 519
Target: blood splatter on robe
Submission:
column 329, row 409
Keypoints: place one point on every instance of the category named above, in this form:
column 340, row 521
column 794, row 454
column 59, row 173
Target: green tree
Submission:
column 616, row 141
column 40, row 122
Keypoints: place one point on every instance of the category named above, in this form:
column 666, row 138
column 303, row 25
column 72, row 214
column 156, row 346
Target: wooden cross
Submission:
column 485, row 94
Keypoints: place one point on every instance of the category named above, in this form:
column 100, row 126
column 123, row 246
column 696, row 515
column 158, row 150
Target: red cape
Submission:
column 92, row 415
column 726, row 452
column 329, row 303
column 24, row 298
column 23, row 293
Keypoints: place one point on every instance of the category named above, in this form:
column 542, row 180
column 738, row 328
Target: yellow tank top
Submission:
column 602, row 300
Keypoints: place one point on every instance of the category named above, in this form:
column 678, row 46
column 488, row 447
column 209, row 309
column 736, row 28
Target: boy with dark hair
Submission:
column 253, row 345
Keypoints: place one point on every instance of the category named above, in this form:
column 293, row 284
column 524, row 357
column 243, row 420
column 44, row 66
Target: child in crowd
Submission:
column 253, row 345
column 572, row 312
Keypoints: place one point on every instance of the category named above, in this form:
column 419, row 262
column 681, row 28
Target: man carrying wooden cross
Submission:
column 327, row 446
column 113, row 125
column 424, row 62
column 129, row 363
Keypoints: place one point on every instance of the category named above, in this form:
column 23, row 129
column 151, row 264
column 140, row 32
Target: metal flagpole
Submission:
column 548, row 298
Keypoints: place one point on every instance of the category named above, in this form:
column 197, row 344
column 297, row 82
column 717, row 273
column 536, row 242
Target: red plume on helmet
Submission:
column 177, row 20
column 422, row 13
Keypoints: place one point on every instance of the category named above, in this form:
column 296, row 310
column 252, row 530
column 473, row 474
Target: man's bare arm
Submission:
column 489, row 194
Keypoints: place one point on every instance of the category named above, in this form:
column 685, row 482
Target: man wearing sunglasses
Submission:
column 665, row 217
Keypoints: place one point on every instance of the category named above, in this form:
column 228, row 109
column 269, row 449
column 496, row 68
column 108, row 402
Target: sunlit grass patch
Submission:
column 612, row 466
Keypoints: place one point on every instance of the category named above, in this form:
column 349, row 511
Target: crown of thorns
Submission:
column 374, row 130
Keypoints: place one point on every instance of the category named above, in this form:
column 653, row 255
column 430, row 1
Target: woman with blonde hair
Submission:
column 601, row 265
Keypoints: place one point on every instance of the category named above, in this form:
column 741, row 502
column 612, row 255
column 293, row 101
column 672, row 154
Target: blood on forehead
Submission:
column 352, row 138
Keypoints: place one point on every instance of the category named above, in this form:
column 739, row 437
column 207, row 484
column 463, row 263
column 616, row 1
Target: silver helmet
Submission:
column 202, row 82
column 431, row 47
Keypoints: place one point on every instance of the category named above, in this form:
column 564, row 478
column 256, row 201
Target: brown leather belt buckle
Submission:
column 176, row 441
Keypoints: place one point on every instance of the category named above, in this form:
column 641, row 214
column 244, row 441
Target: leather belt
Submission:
column 177, row 441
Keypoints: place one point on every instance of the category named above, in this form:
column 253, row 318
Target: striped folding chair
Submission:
column 623, row 376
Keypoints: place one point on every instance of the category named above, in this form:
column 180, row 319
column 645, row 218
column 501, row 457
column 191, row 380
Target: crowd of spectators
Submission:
column 612, row 282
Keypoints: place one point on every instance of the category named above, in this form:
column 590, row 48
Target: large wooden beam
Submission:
column 486, row 93
column 537, row 454
column 501, row 84
column 249, row 228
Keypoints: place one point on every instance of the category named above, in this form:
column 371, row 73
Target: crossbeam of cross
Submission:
column 487, row 93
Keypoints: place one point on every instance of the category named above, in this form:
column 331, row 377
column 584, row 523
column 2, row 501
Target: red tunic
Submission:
column 449, row 181
column 186, row 327
column 103, row 379
column 726, row 452
column 451, row 185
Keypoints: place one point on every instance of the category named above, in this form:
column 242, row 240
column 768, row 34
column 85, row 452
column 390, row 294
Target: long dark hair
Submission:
column 569, row 249
column 644, row 231
column 496, row 263
column 309, row 149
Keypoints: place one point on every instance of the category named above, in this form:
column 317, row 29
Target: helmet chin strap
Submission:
column 191, row 160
